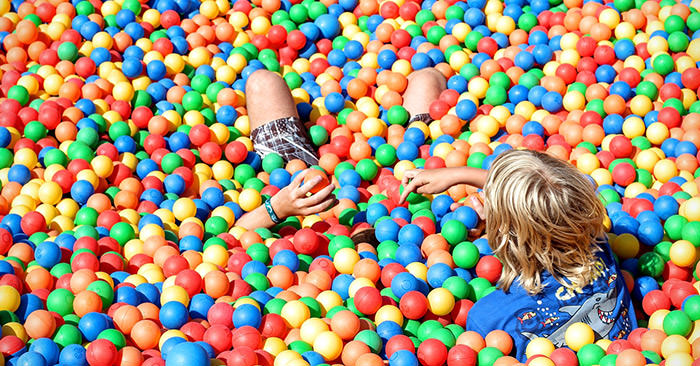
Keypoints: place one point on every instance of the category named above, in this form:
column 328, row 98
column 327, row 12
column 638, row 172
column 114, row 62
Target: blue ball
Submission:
column 665, row 207
column 28, row 303
column 81, row 191
column 410, row 234
column 132, row 67
column 169, row 345
column 403, row 357
column 375, row 211
column 438, row 273
column 441, row 205
column 173, row 315
column 408, row 253
column 200, row 305
column 524, row 60
column 349, row 177
column 353, row 49
column 213, row 197
column 253, row 267
column 47, row 348
column 47, row 254
column 91, row 324
column 286, row 258
column 401, row 213
column 328, row 25
column 650, row 232
column 73, row 355
column 334, row 102
column 386, row 230
column 341, row 284
column 156, row 70
column 280, row 178
column 533, row 128
column 402, row 283
column 407, row 151
column 552, row 101
column 246, row 315
column 31, row 358
column 19, row 173
column 388, row 329
column 467, row 216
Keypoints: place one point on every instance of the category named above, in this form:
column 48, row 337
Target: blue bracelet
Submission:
column 271, row 212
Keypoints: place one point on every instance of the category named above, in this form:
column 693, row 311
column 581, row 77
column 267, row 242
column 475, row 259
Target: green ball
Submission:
column 118, row 129
column 397, row 115
column 608, row 360
column 298, row 13
column 488, row 355
column 691, row 306
column 674, row 226
column 500, row 79
column 67, row 334
column 371, row 339
column 476, row 160
column 170, row 162
column 367, row 169
column 663, row 63
column 529, row 80
column 104, row 291
column 677, row 322
column 274, row 306
column 271, row 162
column 35, row 131
column 6, row 158
column 200, row 83
column 454, row 12
column 60, row 269
column 674, row 23
column 457, row 286
column 652, row 356
column 691, row 232
column 693, row 21
column 472, row 40
column 257, row 281
column 465, row 255
column 318, row 134
column 243, row 172
column 648, row 89
column 651, row 264
column 481, row 287
column 84, row 8
column 468, row 71
column 641, row 142
column 114, row 336
column 427, row 328
column 19, row 93
column 313, row 305
column 133, row 5
column 300, row 347
column 216, row 225
column 68, row 51
column 624, row 5
column 445, row 336
column 55, row 156
column 664, row 250
column 678, row 41
column 122, row 232
column 435, row 34
column 608, row 196
column 60, row 301
column 424, row 16
column 387, row 249
column 316, row 9
column 86, row 216
column 590, row 355
column 385, row 155
column 496, row 95
column 454, row 231
column 259, row 252
column 192, row 101
column 527, row 21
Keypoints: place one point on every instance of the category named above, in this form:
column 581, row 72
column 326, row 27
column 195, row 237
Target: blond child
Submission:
column 545, row 223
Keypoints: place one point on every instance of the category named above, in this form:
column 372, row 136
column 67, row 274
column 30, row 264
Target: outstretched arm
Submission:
column 439, row 180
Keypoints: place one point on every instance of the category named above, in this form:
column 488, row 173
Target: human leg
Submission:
column 424, row 87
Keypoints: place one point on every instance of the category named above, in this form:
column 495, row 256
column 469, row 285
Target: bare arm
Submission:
column 439, row 180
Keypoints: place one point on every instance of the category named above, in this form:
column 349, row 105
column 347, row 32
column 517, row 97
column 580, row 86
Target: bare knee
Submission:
column 261, row 81
column 427, row 76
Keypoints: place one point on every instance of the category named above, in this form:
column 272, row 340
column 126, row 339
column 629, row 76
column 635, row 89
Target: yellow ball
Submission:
column 539, row 346
column 657, row 133
column 295, row 313
column 249, row 199
column 274, row 346
column 215, row 254
column 578, row 335
column 102, row 165
column 311, row 328
column 692, row 209
column 50, row 193
column 328, row 300
column 587, row 163
column 574, row 100
column 388, row 313
column 27, row 157
column 373, row 127
column 9, row 298
column 175, row 293
column 609, row 17
column 675, row 344
column 664, row 170
column 626, row 246
column 329, row 345
column 184, row 208
column 656, row 320
column 683, row 253
column 123, row 91
column 200, row 56
column 345, row 259
column 441, row 301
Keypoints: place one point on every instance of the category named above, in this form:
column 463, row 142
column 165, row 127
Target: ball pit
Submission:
column 126, row 161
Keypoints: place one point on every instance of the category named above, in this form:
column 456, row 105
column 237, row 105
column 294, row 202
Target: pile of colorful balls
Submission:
column 125, row 161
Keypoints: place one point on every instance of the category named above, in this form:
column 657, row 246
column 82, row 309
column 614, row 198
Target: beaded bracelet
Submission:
column 271, row 212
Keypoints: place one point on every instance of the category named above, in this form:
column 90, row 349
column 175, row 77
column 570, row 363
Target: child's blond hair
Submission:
column 542, row 214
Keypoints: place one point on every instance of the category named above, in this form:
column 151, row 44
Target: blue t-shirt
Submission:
column 604, row 305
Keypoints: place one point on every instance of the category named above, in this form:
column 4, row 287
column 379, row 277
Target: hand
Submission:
column 292, row 200
column 423, row 181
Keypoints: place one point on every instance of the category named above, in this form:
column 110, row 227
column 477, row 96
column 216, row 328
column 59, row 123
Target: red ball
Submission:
column 691, row 78
column 413, row 305
column 305, row 241
column 461, row 311
column 564, row 357
column 219, row 337
column 489, row 267
column 246, row 336
column 242, row 356
column 462, row 355
column 368, row 300
column 221, row 314
column 670, row 117
column 621, row 147
column 273, row 325
column 586, row 46
column 624, row 174
column 680, row 292
column 101, row 352
column 432, row 352
column 210, row 152
column 533, row 142
column 618, row 346
column 655, row 300
column 188, row 279
column 194, row 330
column 33, row 222
column 389, row 271
column 397, row 343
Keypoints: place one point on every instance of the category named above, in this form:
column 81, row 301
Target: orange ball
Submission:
column 126, row 317
column 39, row 278
column 472, row 339
column 280, row 276
column 86, row 302
column 352, row 351
column 345, row 324
column 630, row 357
column 319, row 278
column 129, row 356
column 80, row 280
column 216, row 284
column 145, row 334
column 499, row 339
column 367, row 268
column 369, row 359
column 652, row 339
column 40, row 324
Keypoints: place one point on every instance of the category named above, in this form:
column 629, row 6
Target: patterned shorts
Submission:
column 423, row 117
column 286, row 137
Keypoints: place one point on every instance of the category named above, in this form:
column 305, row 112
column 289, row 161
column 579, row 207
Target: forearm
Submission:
column 259, row 217
column 467, row 175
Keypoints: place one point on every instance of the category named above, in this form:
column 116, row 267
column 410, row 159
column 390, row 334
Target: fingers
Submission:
column 307, row 187
column 317, row 197
column 408, row 189
column 409, row 174
column 298, row 179
column 478, row 206
column 320, row 207
column 455, row 206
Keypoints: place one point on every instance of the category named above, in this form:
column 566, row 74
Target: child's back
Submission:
column 545, row 223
